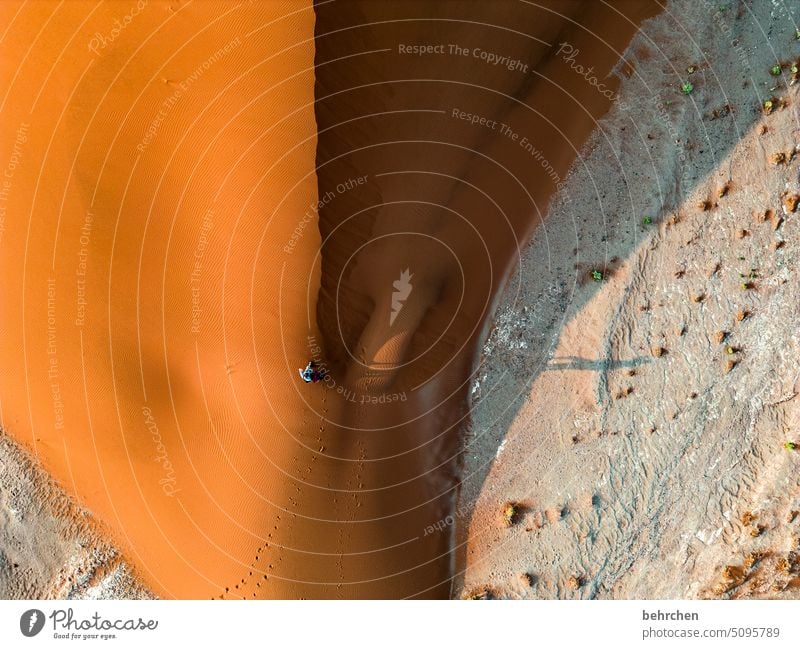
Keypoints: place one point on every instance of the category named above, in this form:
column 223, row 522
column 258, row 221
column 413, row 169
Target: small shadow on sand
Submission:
column 597, row 365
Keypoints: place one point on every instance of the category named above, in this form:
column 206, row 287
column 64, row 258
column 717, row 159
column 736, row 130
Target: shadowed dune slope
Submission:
column 443, row 130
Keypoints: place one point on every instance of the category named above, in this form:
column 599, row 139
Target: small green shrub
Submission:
column 511, row 513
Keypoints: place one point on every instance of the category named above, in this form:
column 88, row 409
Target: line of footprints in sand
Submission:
column 261, row 567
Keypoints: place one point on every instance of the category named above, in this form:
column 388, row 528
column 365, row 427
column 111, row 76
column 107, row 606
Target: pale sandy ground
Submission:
column 49, row 547
column 637, row 475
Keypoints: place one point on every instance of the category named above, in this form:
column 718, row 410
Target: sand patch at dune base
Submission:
column 640, row 420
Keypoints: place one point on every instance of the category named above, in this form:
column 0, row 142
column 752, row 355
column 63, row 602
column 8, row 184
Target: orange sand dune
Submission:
column 157, row 158
column 161, row 261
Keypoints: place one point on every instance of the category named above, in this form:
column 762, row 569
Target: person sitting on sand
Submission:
column 311, row 374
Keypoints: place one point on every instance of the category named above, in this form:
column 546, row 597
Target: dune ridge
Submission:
column 167, row 273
